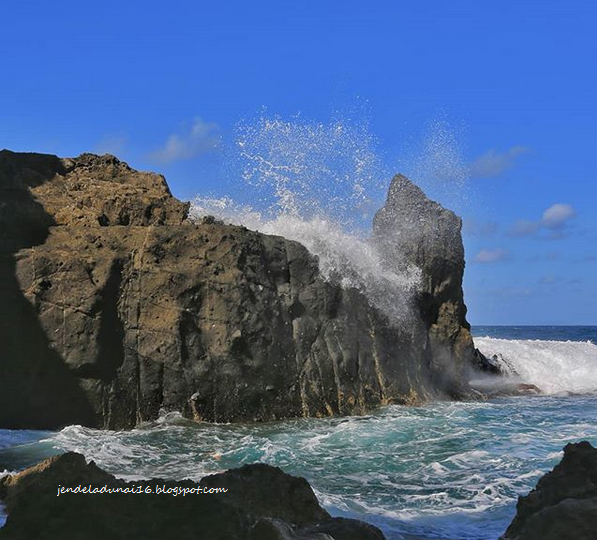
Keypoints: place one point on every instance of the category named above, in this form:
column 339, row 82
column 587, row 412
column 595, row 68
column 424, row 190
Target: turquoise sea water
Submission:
column 442, row 471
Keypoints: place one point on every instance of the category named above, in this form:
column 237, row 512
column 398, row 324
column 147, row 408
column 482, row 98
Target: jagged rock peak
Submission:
column 403, row 190
column 411, row 229
column 421, row 226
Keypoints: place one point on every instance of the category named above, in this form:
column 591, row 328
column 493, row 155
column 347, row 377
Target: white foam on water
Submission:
column 448, row 469
column 556, row 367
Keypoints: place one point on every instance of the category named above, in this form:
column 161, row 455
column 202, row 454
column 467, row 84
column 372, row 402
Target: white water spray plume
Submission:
column 320, row 184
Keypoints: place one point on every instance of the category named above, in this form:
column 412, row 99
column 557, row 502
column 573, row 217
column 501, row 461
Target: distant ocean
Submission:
column 446, row 470
column 546, row 333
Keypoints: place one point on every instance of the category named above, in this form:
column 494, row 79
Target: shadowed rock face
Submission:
column 563, row 506
column 412, row 229
column 36, row 387
column 261, row 503
column 115, row 306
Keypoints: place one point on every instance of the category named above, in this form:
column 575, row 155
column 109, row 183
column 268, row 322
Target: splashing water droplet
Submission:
column 319, row 184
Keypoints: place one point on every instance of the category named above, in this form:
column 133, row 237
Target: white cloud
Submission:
column 201, row 138
column 555, row 219
column 557, row 216
column 492, row 163
column 491, row 256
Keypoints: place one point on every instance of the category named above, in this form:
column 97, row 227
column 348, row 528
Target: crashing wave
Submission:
column 318, row 184
column 556, row 367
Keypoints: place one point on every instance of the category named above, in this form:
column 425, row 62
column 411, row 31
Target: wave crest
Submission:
column 556, row 367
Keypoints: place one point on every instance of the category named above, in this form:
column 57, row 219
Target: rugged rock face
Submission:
column 261, row 503
column 563, row 506
column 114, row 306
column 412, row 229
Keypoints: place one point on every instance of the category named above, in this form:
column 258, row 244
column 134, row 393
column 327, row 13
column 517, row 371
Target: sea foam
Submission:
column 556, row 367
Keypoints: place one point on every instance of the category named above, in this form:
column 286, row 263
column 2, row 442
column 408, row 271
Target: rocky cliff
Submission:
column 115, row 306
column 413, row 230
column 563, row 506
column 260, row 503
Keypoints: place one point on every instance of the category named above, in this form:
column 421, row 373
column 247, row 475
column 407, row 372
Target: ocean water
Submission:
column 445, row 470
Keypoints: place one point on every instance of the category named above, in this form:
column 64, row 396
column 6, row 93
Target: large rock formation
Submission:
column 413, row 230
column 114, row 306
column 260, row 503
column 563, row 506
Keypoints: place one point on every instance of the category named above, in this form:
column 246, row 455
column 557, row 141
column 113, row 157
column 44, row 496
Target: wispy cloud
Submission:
column 111, row 144
column 473, row 227
column 491, row 256
column 555, row 220
column 201, row 138
column 524, row 227
column 558, row 216
column 545, row 257
column 493, row 163
column 505, row 292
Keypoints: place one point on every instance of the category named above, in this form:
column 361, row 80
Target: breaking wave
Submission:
column 556, row 367
column 346, row 259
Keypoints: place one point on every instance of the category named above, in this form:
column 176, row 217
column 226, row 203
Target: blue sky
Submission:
column 159, row 83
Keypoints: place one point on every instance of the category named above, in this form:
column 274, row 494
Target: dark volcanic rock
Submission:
column 261, row 503
column 414, row 230
column 494, row 365
column 499, row 387
column 563, row 506
column 115, row 306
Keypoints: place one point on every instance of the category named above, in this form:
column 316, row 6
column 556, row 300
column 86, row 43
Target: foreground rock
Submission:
column 413, row 230
column 261, row 503
column 115, row 306
column 563, row 506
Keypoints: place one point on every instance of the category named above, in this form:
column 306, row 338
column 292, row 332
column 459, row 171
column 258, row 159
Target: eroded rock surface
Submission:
column 115, row 306
column 563, row 506
column 261, row 503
